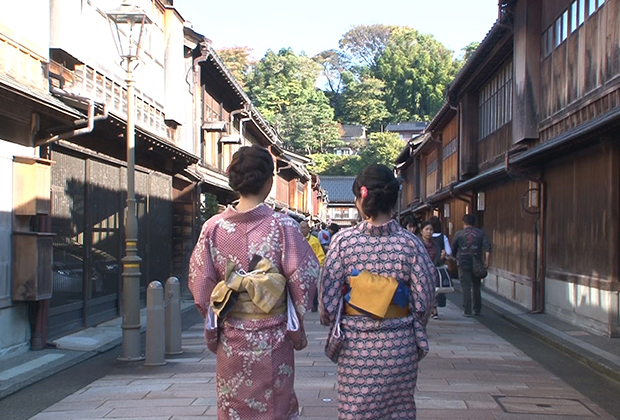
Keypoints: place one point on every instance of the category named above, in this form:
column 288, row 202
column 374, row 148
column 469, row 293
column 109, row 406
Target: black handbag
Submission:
column 478, row 268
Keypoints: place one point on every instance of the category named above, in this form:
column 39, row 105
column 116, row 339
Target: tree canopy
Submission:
column 282, row 86
column 380, row 74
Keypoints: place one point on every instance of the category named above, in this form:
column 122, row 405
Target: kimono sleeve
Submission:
column 332, row 282
column 300, row 267
column 202, row 272
column 423, row 276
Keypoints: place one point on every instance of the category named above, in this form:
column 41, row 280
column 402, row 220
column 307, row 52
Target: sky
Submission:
column 317, row 25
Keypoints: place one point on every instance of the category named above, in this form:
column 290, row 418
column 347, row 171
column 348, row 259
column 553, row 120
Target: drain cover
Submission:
column 534, row 405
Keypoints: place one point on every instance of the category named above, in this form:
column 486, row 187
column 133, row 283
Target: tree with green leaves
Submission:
column 238, row 61
column 381, row 148
column 469, row 50
column 283, row 88
column 363, row 102
column 416, row 69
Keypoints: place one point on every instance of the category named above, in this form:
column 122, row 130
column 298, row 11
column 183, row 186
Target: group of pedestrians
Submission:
column 254, row 272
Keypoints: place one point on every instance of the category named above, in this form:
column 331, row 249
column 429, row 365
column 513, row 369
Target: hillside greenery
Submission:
column 380, row 74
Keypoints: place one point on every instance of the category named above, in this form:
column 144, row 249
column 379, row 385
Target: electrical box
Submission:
column 31, row 186
column 32, row 266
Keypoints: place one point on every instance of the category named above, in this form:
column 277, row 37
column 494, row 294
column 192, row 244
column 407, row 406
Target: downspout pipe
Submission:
column 538, row 288
column 90, row 121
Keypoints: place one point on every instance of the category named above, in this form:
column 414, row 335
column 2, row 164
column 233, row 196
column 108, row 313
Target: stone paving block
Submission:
column 156, row 412
column 202, row 392
column 432, row 414
column 441, row 404
column 172, row 380
column 212, row 401
column 99, row 397
column 317, row 411
column 159, row 402
column 72, row 415
column 75, row 405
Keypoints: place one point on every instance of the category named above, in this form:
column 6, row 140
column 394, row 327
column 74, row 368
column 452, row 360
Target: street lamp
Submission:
column 127, row 23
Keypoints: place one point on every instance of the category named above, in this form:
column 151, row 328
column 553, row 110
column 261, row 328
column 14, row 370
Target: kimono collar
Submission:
column 257, row 212
column 379, row 230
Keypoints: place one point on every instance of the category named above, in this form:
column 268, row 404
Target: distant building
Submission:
column 349, row 136
column 341, row 205
column 407, row 130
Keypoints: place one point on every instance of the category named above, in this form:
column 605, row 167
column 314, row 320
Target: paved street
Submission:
column 471, row 373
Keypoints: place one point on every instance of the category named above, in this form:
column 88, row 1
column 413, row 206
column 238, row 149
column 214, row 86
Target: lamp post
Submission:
column 127, row 22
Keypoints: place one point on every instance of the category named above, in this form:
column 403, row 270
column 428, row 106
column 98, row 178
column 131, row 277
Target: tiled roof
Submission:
column 38, row 95
column 407, row 126
column 338, row 188
column 353, row 131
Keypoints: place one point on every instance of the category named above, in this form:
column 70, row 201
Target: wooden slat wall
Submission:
column 408, row 194
column 452, row 224
column 281, row 189
column 579, row 218
column 431, row 179
column 510, row 229
column 588, row 60
column 495, row 144
column 612, row 48
column 450, row 164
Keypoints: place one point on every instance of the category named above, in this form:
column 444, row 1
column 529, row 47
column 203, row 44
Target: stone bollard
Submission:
column 173, row 317
column 155, row 334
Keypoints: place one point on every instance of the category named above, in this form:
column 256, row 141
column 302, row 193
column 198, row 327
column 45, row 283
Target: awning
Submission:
column 485, row 177
column 216, row 126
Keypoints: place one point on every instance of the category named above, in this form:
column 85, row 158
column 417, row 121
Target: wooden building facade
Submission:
column 535, row 120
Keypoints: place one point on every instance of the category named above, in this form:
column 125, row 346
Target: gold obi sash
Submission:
column 372, row 294
column 259, row 294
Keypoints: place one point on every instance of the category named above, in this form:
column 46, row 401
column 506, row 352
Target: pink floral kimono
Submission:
column 255, row 360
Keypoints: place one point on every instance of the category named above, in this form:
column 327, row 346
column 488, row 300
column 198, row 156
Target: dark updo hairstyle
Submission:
column 436, row 224
column 250, row 168
column 382, row 189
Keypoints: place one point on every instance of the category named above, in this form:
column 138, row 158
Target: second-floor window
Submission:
column 449, row 149
column 495, row 102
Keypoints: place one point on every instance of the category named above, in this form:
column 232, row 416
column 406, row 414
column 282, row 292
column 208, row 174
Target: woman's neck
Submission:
column 379, row 219
column 249, row 202
column 426, row 241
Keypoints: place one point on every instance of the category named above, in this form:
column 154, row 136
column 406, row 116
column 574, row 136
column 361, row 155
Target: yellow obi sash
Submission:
column 372, row 294
column 259, row 294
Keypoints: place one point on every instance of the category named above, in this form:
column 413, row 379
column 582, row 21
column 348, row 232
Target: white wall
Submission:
column 27, row 22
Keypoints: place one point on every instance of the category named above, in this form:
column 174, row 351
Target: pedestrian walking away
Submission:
column 318, row 251
column 388, row 282
column 435, row 248
column 247, row 261
column 469, row 245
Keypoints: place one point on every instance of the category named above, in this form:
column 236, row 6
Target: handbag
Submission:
column 478, row 268
column 295, row 329
column 335, row 339
column 212, row 332
column 443, row 284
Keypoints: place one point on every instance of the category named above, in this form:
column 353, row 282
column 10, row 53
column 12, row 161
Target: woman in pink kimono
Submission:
column 378, row 362
column 255, row 360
